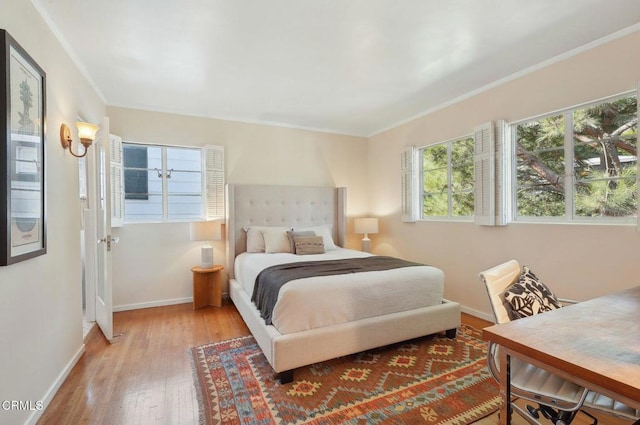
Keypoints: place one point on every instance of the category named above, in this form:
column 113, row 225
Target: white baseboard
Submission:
column 46, row 400
column 476, row 313
column 150, row 304
column 160, row 303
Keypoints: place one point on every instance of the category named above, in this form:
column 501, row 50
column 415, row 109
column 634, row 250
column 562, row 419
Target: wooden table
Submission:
column 594, row 343
column 207, row 286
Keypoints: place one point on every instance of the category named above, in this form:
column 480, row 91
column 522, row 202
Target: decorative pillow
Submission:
column 324, row 231
column 528, row 296
column 291, row 234
column 309, row 245
column 275, row 241
column 255, row 240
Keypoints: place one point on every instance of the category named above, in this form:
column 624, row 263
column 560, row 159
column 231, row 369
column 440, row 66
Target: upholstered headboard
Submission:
column 262, row 205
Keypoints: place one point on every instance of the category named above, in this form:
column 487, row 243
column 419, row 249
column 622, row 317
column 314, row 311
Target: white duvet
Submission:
column 314, row 302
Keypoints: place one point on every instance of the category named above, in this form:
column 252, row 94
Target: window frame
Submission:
column 570, row 216
column 165, row 195
column 420, row 177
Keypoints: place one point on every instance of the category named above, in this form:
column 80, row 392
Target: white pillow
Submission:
column 276, row 241
column 324, row 231
column 255, row 240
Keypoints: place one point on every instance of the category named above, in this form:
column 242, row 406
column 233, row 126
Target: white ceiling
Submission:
column 346, row 66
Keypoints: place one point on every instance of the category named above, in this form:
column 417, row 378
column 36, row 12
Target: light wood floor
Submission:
column 145, row 377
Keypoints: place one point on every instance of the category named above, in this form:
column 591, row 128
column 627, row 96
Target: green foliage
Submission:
column 540, row 203
column 603, row 175
column 602, row 196
column 448, row 179
column 435, row 184
column 605, row 163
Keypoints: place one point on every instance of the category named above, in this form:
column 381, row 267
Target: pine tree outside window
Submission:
column 579, row 164
column 447, row 179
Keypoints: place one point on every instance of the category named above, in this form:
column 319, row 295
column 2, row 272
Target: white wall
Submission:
column 41, row 298
column 577, row 261
column 152, row 263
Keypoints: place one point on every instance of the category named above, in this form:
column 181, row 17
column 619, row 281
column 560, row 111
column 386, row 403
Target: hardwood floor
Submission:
column 145, row 377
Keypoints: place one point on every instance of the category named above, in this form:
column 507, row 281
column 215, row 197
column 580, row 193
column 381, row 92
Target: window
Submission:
column 168, row 183
column 136, row 183
column 579, row 164
column 447, row 179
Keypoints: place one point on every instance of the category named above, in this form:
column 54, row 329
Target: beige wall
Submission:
column 41, row 298
column 152, row 262
column 578, row 261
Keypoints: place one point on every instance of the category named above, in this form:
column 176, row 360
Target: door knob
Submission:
column 108, row 240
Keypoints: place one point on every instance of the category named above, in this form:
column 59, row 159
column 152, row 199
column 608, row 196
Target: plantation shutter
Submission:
column 407, row 173
column 484, row 170
column 117, row 195
column 503, row 168
column 214, row 181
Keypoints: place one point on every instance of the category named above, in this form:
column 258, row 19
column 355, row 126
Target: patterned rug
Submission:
column 430, row 380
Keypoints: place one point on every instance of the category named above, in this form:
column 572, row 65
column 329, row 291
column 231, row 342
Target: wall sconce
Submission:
column 86, row 133
column 366, row 226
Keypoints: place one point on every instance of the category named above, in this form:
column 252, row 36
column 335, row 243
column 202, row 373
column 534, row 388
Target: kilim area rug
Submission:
column 430, row 380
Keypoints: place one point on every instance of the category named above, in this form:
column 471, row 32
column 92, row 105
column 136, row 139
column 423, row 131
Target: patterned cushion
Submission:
column 292, row 235
column 528, row 296
column 323, row 230
column 309, row 245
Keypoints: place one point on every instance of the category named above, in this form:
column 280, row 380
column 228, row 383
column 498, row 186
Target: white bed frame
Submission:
column 260, row 205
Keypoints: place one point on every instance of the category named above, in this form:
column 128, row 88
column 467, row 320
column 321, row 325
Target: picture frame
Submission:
column 22, row 154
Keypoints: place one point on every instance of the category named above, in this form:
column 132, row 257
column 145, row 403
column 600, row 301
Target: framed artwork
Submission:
column 22, row 187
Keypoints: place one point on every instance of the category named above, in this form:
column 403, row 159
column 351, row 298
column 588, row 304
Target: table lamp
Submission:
column 366, row 226
column 206, row 231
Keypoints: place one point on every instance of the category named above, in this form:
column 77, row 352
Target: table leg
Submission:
column 505, row 386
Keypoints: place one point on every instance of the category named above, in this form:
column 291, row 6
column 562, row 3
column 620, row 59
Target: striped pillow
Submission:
column 309, row 245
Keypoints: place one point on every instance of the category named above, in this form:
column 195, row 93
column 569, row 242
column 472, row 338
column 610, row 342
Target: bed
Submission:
column 299, row 335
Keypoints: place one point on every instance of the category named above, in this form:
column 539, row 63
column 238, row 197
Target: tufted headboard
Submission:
column 261, row 205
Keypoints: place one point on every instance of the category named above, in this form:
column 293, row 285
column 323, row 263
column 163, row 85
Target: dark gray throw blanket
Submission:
column 271, row 279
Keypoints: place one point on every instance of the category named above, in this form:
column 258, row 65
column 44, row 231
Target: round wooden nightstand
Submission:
column 207, row 286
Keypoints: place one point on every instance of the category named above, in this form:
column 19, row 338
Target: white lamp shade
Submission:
column 87, row 131
column 366, row 225
column 205, row 231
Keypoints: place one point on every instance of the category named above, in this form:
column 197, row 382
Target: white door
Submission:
column 104, row 290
